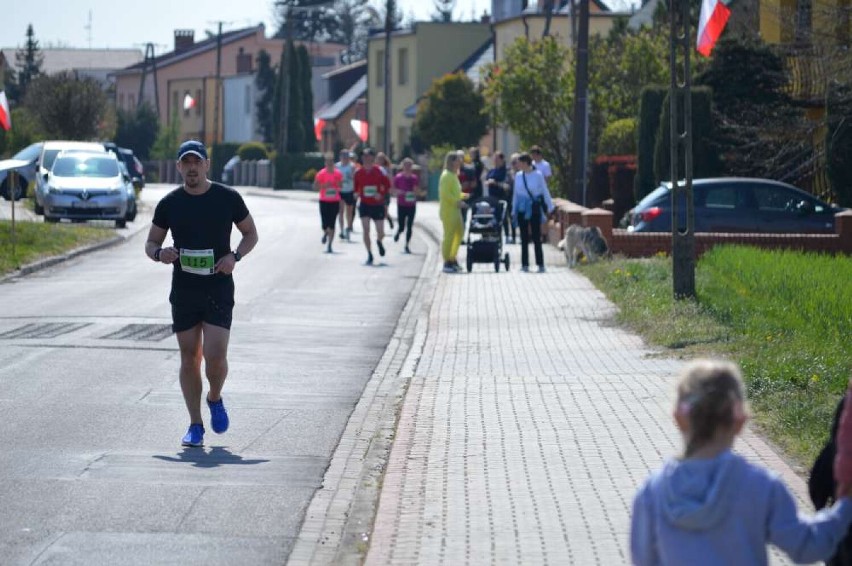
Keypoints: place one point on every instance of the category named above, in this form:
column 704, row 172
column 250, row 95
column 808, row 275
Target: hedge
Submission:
column 650, row 105
column 293, row 166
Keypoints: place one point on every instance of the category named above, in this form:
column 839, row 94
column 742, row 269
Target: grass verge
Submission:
column 35, row 240
column 785, row 317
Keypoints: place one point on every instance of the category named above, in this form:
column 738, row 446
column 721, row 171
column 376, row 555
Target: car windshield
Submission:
column 653, row 196
column 79, row 166
column 49, row 158
column 29, row 153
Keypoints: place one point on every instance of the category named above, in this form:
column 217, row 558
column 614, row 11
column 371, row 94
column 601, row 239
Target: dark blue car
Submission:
column 737, row 204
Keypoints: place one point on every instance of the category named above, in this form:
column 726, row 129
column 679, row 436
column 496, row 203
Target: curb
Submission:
column 340, row 517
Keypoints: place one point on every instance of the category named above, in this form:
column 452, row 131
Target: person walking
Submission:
column 200, row 215
column 497, row 185
column 371, row 186
column 530, row 203
column 406, row 185
column 329, row 182
column 451, row 202
column 347, row 195
column 541, row 165
column 711, row 506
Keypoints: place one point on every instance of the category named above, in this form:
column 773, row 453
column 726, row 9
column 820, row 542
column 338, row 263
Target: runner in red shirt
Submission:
column 328, row 182
column 371, row 186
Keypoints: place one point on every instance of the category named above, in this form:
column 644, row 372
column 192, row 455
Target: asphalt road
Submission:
column 91, row 414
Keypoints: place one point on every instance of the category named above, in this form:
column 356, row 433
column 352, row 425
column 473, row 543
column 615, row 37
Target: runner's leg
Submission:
column 215, row 350
column 409, row 225
column 189, row 342
column 365, row 226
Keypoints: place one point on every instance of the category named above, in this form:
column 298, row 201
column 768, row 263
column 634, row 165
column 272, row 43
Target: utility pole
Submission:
column 683, row 223
column 390, row 9
column 581, row 108
column 284, row 114
column 218, row 86
column 151, row 60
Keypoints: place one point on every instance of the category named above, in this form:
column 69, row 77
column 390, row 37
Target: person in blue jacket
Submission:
column 711, row 506
column 531, row 203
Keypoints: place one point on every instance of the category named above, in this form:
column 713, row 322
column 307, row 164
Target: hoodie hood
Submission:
column 697, row 493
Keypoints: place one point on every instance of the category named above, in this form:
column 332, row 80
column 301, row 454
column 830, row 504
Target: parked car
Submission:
column 134, row 166
column 86, row 186
column 228, row 170
column 49, row 151
column 132, row 208
column 737, row 204
column 25, row 174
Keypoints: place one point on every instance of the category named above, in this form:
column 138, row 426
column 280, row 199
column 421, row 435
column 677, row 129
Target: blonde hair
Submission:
column 451, row 158
column 710, row 395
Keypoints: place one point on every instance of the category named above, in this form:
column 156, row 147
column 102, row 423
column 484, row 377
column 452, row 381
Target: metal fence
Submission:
column 252, row 173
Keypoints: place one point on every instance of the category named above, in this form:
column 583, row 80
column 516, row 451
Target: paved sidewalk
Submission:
column 528, row 423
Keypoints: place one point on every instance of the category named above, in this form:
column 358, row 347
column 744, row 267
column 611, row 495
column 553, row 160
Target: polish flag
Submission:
column 188, row 102
column 714, row 16
column 319, row 124
column 362, row 128
column 5, row 113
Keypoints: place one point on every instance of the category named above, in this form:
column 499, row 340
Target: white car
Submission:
column 49, row 151
column 86, row 186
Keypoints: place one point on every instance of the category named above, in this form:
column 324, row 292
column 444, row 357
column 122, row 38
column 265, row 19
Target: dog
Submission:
column 589, row 241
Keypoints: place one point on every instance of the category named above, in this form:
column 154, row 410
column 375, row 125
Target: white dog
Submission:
column 589, row 241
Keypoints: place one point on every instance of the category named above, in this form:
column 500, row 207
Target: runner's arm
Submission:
column 249, row 240
column 156, row 237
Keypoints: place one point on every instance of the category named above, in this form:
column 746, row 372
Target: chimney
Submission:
column 184, row 39
column 244, row 61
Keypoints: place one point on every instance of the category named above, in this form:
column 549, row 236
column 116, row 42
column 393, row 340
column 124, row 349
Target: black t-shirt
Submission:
column 199, row 224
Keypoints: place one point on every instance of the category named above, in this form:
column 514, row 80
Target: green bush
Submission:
column 650, row 105
column 705, row 161
column 292, row 167
column 619, row 138
column 253, row 151
column 220, row 154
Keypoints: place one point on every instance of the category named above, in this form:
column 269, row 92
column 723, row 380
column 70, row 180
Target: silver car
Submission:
column 86, row 186
column 49, row 150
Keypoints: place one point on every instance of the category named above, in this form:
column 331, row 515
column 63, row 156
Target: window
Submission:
column 198, row 102
column 380, row 137
column 721, row 197
column 248, row 100
column 380, row 67
column 403, row 66
column 401, row 136
column 175, row 106
column 775, row 198
column 185, row 108
column 803, row 21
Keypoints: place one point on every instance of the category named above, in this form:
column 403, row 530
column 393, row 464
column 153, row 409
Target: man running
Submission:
column 199, row 215
column 371, row 186
column 347, row 196
column 328, row 182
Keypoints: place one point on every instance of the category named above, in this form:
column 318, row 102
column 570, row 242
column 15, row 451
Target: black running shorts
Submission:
column 374, row 211
column 348, row 198
column 194, row 305
column 328, row 214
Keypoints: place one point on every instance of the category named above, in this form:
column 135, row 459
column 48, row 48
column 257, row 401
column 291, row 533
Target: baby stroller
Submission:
column 486, row 221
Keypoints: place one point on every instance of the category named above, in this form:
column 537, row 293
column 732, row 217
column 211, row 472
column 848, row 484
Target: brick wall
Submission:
column 646, row 244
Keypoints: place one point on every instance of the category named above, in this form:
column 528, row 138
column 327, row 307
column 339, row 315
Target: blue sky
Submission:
column 132, row 24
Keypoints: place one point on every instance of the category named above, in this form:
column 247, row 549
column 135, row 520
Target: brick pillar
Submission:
column 843, row 227
column 600, row 218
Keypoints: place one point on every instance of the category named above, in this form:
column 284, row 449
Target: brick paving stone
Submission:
column 528, row 425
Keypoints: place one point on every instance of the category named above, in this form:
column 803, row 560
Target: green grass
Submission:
column 785, row 317
column 36, row 241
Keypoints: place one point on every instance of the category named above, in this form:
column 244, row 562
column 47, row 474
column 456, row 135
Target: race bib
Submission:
column 197, row 262
column 410, row 197
column 371, row 191
column 330, row 193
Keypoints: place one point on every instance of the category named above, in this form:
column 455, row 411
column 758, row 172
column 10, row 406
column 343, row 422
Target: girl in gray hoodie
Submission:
column 711, row 506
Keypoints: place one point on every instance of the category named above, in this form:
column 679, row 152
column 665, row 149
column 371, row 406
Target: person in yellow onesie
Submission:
column 451, row 202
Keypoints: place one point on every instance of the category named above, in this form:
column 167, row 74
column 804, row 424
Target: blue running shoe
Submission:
column 194, row 436
column 218, row 416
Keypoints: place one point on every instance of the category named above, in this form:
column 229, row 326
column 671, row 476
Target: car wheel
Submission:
column 131, row 213
column 121, row 223
column 37, row 208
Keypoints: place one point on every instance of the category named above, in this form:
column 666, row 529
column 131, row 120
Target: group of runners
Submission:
column 368, row 186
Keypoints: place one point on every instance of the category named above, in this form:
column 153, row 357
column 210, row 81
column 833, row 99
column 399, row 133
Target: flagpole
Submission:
column 13, row 186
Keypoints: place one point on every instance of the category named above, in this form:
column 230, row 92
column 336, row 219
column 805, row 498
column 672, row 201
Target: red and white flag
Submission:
column 362, row 128
column 714, row 16
column 319, row 124
column 188, row 102
column 5, row 113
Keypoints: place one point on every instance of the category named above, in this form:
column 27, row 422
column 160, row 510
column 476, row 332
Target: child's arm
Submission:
column 806, row 539
column 643, row 545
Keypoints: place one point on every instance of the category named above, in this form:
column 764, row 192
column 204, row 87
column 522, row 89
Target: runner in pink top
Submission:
column 328, row 182
column 406, row 186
